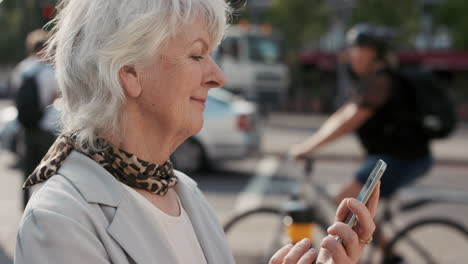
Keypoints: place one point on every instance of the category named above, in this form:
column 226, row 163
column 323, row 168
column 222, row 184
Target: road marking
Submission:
column 253, row 193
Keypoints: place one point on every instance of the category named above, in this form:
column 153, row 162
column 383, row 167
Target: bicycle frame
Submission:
column 311, row 194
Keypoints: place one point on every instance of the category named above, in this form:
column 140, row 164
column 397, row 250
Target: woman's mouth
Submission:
column 199, row 100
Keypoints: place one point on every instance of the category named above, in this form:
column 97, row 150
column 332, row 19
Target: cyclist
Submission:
column 374, row 113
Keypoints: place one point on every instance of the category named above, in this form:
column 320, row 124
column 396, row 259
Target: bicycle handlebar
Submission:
column 308, row 163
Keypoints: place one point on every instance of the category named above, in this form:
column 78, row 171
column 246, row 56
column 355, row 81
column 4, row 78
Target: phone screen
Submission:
column 369, row 187
column 371, row 182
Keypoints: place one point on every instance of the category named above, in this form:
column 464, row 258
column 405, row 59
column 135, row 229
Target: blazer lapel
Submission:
column 134, row 228
column 139, row 234
column 211, row 237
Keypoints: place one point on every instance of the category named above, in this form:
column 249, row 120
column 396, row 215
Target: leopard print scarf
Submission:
column 125, row 167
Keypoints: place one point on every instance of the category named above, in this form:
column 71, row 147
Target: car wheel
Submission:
column 189, row 157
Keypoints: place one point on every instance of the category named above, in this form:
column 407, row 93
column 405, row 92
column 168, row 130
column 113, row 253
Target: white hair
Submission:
column 93, row 39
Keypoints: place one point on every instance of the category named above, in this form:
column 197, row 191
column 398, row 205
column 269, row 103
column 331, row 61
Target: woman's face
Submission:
column 362, row 59
column 175, row 84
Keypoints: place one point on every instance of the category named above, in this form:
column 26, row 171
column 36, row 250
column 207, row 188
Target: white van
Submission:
column 250, row 57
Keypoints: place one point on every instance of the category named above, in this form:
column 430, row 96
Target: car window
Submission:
column 229, row 47
column 264, row 50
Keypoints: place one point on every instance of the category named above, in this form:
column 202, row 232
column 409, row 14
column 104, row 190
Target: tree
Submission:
column 403, row 15
column 453, row 14
column 299, row 20
column 17, row 18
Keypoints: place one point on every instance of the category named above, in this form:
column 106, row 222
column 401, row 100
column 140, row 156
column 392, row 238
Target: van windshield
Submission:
column 264, row 50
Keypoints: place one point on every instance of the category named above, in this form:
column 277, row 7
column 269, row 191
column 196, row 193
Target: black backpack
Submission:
column 435, row 114
column 27, row 100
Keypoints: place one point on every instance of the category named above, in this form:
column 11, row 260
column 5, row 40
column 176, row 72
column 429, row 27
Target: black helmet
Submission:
column 375, row 36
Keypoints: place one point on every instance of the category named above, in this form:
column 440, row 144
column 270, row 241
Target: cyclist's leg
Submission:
column 400, row 172
column 353, row 188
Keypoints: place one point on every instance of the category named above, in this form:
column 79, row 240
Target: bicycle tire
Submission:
column 268, row 210
column 276, row 242
column 405, row 232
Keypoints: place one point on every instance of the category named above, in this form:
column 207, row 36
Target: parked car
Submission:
column 9, row 128
column 231, row 131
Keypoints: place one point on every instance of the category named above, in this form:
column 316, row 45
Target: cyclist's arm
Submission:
column 346, row 119
column 349, row 117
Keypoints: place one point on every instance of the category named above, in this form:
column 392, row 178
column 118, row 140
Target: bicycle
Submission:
column 304, row 216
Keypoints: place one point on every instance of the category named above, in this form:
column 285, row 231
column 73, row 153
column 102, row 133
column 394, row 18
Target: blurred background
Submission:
column 281, row 61
column 294, row 44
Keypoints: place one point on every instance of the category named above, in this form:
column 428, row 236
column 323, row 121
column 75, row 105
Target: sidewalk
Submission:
column 453, row 150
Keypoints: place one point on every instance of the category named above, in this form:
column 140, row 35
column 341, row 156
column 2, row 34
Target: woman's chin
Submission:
column 196, row 125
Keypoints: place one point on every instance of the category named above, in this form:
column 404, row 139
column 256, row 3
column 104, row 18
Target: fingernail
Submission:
column 353, row 203
column 303, row 241
column 311, row 251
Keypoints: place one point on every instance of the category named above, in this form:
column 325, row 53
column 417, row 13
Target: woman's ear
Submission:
column 130, row 81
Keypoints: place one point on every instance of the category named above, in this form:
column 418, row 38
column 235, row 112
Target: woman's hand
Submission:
column 354, row 239
column 301, row 253
column 332, row 251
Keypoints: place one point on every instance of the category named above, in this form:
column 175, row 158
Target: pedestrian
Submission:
column 374, row 112
column 36, row 137
column 134, row 77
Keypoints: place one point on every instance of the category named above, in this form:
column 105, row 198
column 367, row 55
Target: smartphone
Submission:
column 368, row 187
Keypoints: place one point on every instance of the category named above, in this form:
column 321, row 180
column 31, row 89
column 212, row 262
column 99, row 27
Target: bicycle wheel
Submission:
column 429, row 241
column 255, row 235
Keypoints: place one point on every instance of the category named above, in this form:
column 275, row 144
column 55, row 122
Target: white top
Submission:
column 179, row 234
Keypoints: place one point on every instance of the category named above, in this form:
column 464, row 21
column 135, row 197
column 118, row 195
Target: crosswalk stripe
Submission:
column 253, row 193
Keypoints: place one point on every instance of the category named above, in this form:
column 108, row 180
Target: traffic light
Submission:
column 47, row 9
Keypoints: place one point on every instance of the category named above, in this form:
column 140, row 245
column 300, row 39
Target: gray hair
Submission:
column 93, row 39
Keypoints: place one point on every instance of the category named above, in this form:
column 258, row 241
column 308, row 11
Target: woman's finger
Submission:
column 343, row 211
column 297, row 251
column 280, row 254
column 308, row 257
column 374, row 200
column 331, row 249
column 349, row 237
column 365, row 223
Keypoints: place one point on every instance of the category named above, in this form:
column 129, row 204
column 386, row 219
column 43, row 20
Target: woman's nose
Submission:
column 215, row 76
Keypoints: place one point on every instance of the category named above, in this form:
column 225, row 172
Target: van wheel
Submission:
column 189, row 157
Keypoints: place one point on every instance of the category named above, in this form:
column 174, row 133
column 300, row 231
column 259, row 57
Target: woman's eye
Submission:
column 197, row 58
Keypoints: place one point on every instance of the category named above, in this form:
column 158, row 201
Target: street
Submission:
column 238, row 185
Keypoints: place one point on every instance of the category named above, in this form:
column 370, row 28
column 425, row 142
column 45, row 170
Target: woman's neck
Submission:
column 146, row 140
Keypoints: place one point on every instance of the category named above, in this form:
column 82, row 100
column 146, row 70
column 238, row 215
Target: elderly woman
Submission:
column 134, row 77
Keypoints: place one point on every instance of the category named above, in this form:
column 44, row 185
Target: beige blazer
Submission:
column 84, row 215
